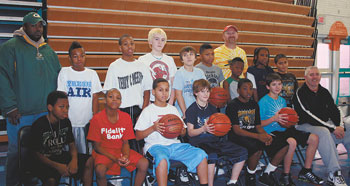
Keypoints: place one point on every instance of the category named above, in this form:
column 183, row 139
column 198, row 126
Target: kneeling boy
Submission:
column 162, row 149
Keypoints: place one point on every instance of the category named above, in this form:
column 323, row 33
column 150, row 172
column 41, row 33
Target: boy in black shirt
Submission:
column 247, row 132
column 50, row 134
column 289, row 81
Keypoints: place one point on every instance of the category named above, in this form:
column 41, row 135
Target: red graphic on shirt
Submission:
column 159, row 69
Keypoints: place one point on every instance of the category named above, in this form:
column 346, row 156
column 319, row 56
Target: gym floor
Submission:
column 318, row 168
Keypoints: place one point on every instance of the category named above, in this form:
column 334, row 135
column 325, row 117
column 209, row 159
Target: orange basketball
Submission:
column 221, row 122
column 218, row 97
column 173, row 125
column 293, row 117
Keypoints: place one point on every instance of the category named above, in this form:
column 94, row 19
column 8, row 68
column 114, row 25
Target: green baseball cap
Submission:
column 33, row 18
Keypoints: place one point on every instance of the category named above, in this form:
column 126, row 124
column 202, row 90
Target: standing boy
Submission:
column 230, row 84
column 275, row 125
column 160, row 64
column 261, row 69
column 212, row 72
column 82, row 86
column 162, row 149
column 201, row 134
column 184, row 79
column 131, row 77
column 247, row 132
column 289, row 81
column 49, row 135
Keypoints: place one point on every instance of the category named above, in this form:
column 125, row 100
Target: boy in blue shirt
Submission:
column 275, row 125
column 247, row 132
column 184, row 79
column 201, row 134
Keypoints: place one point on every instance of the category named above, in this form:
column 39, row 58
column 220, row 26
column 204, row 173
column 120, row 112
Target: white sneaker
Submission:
column 183, row 176
column 336, row 179
column 221, row 171
column 116, row 182
column 260, row 166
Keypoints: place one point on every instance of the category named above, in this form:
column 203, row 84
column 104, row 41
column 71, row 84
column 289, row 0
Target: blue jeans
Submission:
column 12, row 172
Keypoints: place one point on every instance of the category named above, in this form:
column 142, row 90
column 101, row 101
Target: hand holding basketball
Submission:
column 209, row 127
column 287, row 117
column 173, row 126
column 159, row 127
column 222, row 124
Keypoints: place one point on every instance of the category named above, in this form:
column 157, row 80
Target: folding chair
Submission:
column 25, row 158
column 223, row 162
column 178, row 166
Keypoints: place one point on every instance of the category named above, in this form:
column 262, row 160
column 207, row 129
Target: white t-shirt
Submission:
column 131, row 79
column 151, row 114
column 80, row 87
column 162, row 67
column 234, row 85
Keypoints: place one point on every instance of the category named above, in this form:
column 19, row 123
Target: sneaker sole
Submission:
column 263, row 183
column 307, row 181
column 329, row 183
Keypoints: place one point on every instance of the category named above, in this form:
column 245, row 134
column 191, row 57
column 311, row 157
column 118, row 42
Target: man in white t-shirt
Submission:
column 160, row 64
column 131, row 77
column 82, row 86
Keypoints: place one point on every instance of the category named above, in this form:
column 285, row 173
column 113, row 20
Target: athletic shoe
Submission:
column 232, row 184
column 250, row 179
column 183, row 176
column 336, row 179
column 150, row 180
column 310, row 177
column 267, row 179
column 286, row 180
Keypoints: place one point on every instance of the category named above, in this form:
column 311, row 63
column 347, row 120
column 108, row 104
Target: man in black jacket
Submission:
column 319, row 115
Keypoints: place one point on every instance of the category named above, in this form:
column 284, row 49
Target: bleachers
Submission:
column 276, row 24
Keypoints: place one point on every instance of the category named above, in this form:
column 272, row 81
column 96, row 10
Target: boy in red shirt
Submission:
column 110, row 131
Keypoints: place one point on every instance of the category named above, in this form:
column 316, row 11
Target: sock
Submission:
column 251, row 171
column 203, row 184
column 270, row 168
column 232, row 181
column 305, row 170
column 285, row 174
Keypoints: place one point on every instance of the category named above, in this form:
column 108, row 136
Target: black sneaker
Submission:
column 232, row 184
column 267, row 179
column 286, row 180
column 310, row 177
column 250, row 179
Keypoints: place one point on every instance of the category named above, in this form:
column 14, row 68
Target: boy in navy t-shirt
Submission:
column 201, row 134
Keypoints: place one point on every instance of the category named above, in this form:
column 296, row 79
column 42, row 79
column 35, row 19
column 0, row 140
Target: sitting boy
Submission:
column 162, row 149
column 200, row 132
column 110, row 130
column 247, row 132
column 275, row 125
column 50, row 134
